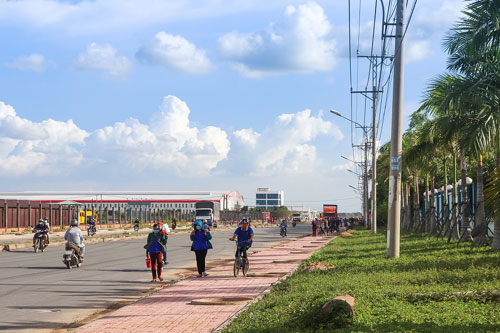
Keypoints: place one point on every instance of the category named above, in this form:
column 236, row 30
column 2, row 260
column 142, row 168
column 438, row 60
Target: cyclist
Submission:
column 245, row 238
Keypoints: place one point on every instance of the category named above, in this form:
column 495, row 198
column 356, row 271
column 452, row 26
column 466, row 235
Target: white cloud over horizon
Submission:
column 34, row 62
column 284, row 147
column 103, row 58
column 167, row 145
column 174, row 52
column 41, row 148
column 299, row 42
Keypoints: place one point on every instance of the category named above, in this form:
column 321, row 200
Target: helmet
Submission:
column 41, row 220
column 74, row 222
column 244, row 221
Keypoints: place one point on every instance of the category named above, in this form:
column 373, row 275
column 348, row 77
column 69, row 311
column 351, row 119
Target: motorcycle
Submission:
column 39, row 241
column 91, row 229
column 71, row 256
column 283, row 231
column 174, row 225
column 294, row 224
column 136, row 226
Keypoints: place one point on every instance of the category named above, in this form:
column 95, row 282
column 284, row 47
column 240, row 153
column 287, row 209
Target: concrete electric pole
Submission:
column 374, row 163
column 394, row 202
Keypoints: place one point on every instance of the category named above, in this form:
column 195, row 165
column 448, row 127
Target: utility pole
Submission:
column 374, row 163
column 394, row 202
column 365, row 182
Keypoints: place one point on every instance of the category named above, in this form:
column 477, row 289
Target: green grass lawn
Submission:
column 419, row 292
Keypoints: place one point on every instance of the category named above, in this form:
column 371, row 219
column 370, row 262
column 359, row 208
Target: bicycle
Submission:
column 241, row 261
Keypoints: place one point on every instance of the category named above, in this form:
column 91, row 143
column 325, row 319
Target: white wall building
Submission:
column 265, row 198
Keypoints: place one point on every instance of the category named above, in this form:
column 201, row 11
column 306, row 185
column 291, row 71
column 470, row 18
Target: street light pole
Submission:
column 394, row 201
column 365, row 172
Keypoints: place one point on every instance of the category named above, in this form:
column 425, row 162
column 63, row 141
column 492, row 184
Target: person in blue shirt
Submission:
column 154, row 250
column 245, row 238
column 201, row 244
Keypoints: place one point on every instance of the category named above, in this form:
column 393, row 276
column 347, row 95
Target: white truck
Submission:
column 209, row 211
column 296, row 217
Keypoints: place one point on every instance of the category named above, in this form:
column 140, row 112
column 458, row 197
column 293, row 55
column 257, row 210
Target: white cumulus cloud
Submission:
column 168, row 142
column 174, row 52
column 33, row 62
column 298, row 43
column 285, row 147
column 103, row 58
column 42, row 147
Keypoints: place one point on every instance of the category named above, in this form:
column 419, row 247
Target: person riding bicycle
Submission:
column 43, row 228
column 74, row 235
column 245, row 238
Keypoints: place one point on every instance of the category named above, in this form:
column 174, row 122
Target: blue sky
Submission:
column 194, row 95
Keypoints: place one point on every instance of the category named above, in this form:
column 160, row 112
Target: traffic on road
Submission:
column 38, row 291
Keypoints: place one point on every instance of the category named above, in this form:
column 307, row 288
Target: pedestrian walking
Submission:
column 314, row 226
column 201, row 244
column 154, row 250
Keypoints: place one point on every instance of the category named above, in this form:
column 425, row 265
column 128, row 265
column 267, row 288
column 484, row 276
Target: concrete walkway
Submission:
column 171, row 309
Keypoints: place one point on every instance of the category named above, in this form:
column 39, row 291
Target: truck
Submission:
column 209, row 211
column 296, row 217
column 329, row 211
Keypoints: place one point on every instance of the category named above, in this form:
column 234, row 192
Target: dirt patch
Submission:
column 345, row 234
column 316, row 266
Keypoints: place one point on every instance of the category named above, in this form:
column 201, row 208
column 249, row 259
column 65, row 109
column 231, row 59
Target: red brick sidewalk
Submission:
column 170, row 310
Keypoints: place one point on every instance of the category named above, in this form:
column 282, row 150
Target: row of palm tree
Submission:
column 458, row 127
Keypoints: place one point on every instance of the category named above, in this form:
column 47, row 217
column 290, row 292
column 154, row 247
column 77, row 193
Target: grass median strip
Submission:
column 434, row 287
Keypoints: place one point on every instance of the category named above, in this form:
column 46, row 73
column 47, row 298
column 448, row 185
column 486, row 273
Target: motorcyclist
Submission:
column 245, row 238
column 74, row 235
column 136, row 223
column 283, row 226
column 91, row 223
column 43, row 228
column 46, row 221
column 174, row 224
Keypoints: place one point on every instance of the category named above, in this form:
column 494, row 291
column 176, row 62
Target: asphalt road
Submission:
column 37, row 292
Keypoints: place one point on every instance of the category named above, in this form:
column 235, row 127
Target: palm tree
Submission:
column 474, row 47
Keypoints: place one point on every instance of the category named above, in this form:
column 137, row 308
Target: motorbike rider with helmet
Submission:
column 43, row 228
column 46, row 221
column 283, row 227
column 74, row 235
